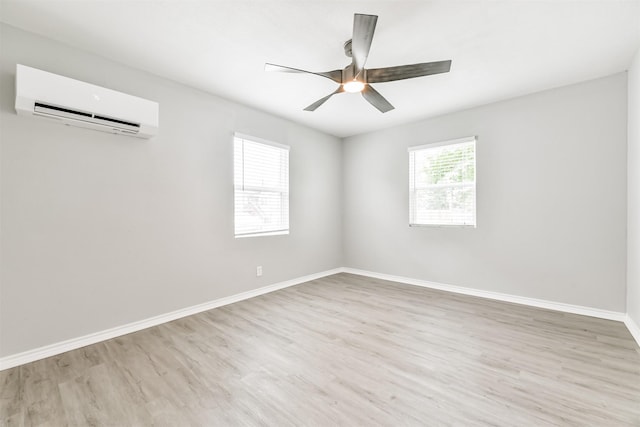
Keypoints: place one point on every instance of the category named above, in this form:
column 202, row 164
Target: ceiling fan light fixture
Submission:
column 353, row 86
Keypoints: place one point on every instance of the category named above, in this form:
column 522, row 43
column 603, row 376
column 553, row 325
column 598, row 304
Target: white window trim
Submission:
column 441, row 143
column 260, row 140
column 475, row 172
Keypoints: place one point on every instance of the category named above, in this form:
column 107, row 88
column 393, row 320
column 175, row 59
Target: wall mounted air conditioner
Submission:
column 76, row 103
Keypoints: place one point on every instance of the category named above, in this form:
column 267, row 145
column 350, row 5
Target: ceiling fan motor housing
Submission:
column 348, row 74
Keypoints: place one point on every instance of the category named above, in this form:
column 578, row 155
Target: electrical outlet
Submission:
column 259, row 271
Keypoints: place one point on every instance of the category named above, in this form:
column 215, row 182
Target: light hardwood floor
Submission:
column 344, row 350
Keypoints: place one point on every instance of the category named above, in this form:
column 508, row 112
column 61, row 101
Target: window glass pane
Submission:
column 442, row 187
column 261, row 179
column 260, row 211
column 263, row 166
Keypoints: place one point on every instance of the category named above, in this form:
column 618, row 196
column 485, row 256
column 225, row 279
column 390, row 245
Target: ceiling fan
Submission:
column 355, row 78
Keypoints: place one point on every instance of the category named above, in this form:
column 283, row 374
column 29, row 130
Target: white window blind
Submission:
column 442, row 183
column 261, row 182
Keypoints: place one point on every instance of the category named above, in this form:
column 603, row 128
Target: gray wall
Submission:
column 551, row 198
column 633, row 201
column 100, row 230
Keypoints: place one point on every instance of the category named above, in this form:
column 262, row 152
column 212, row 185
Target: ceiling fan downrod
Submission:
column 347, row 48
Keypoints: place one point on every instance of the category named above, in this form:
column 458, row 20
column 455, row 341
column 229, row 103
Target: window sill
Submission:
column 444, row 225
column 266, row 233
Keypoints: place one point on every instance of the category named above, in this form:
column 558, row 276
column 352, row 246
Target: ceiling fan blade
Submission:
column 377, row 100
column 363, row 28
column 321, row 101
column 401, row 72
column 335, row 75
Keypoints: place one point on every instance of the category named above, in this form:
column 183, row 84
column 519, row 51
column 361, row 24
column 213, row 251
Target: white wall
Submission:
column 633, row 201
column 100, row 230
column 551, row 199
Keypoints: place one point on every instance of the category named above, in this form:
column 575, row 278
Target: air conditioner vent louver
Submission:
column 41, row 107
column 76, row 103
column 55, row 111
column 122, row 122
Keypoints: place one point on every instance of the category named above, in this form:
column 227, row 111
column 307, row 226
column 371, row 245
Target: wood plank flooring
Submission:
column 342, row 350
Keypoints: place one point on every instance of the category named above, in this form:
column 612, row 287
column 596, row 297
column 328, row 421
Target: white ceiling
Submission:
column 500, row 49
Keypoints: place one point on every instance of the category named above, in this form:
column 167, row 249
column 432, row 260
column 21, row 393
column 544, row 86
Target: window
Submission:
column 442, row 183
column 261, row 182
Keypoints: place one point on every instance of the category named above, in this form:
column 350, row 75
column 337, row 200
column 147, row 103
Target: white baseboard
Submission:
column 551, row 305
column 633, row 328
column 75, row 343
